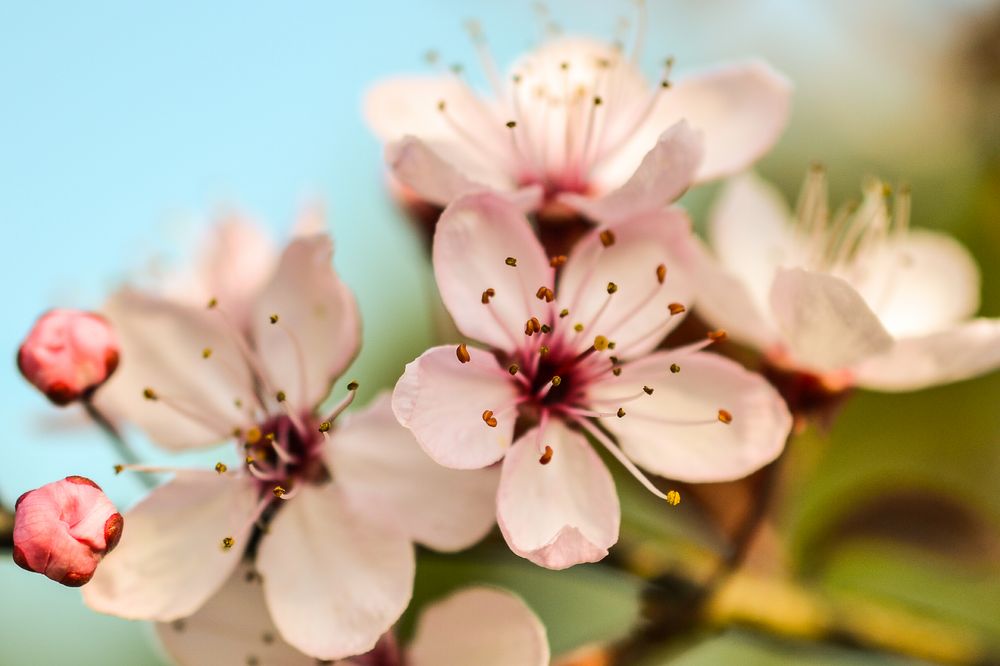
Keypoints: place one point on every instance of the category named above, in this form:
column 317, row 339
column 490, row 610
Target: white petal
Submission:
column 318, row 330
column 410, row 105
column 442, row 401
column 741, row 108
column 664, row 174
column 233, row 628
column 559, row 514
column 170, row 559
column 725, row 301
column 751, row 234
column 474, row 238
column 386, row 476
column 162, row 347
column 636, row 317
column 482, row 626
column 959, row 353
column 657, row 430
column 334, row 583
column 826, row 323
column 921, row 283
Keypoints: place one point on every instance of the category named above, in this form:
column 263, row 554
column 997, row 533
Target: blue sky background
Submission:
column 124, row 125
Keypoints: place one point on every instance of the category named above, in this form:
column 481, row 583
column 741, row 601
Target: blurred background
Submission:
column 125, row 128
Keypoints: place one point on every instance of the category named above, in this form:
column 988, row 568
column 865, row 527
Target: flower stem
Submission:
column 6, row 528
column 117, row 441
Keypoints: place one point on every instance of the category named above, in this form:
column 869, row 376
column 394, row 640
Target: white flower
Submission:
column 855, row 297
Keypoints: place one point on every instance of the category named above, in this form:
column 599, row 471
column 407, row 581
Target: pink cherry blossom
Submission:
column 854, row 297
column 64, row 529
column 570, row 351
column 342, row 499
column 68, row 354
column 575, row 124
column 477, row 625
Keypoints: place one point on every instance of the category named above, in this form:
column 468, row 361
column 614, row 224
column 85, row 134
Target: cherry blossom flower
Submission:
column 64, row 529
column 476, row 625
column 853, row 298
column 573, row 355
column 327, row 510
column 68, row 354
column 576, row 125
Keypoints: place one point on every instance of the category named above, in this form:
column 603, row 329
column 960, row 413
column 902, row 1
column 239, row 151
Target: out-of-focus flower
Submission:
column 573, row 356
column 68, row 354
column 328, row 513
column 477, row 625
column 64, row 529
column 575, row 124
column 855, row 297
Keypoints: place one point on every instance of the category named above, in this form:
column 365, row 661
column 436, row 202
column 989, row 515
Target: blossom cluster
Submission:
column 567, row 266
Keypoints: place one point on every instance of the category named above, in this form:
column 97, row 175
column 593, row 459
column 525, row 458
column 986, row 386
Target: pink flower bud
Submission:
column 68, row 353
column 64, row 528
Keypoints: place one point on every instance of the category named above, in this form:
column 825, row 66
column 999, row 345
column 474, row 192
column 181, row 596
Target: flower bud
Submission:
column 68, row 353
column 64, row 528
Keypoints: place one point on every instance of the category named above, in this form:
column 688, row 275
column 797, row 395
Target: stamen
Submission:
column 661, row 273
column 487, row 295
column 673, row 498
column 725, row 416
column 228, row 543
column 546, row 457
column 221, row 468
column 545, row 294
column 613, row 449
column 612, row 287
column 674, row 368
column 463, row 353
column 558, row 260
column 676, row 308
column 563, row 313
column 601, row 343
column 510, row 261
column 300, row 357
column 489, row 419
column 352, row 392
column 607, row 238
column 159, row 469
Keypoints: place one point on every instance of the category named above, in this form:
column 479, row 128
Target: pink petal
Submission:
column 233, row 628
column 482, row 626
column 921, row 283
column 826, row 323
column 334, row 583
column 64, row 528
column 637, row 315
column 675, row 431
column 162, row 345
column 474, row 239
column 170, row 559
column 386, row 476
column 396, row 107
column 742, row 109
column 664, row 174
column 442, row 401
column 318, row 332
column 562, row 513
column 962, row 352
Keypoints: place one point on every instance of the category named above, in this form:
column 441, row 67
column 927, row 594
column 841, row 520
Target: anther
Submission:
column 621, row 412
column 674, row 368
column 511, row 124
column 563, row 313
column 611, row 344
column 324, row 426
column 543, row 350
column 273, row 318
column 725, row 417
column 673, row 498
column 676, row 308
column 119, row 469
column 612, row 287
column 578, row 328
column 607, row 238
column 661, row 273
column 212, row 302
column 227, row 543
column 221, row 468
column 558, row 260
column 600, row 343
column 617, row 372
column 564, row 66
column 280, row 396
column 489, row 419
column 206, row 352
column 278, row 491
column 488, row 294
column 532, row 326
column 547, row 456
column 510, row 261
column 546, row 328
column 664, row 83
column 462, row 352
column 253, row 435
column 149, row 394
column 513, row 368
column 545, row 294
column 648, row 390
column 441, row 105
column 717, row 336
column 352, row 386
column 598, row 101
column 557, row 380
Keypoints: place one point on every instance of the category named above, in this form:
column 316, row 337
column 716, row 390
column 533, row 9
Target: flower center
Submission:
column 281, row 455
